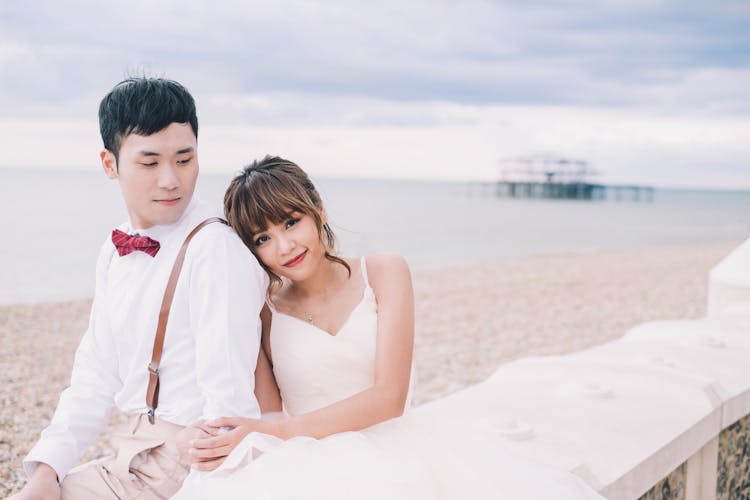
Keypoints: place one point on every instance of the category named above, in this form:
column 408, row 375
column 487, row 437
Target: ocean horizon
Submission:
column 434, row 224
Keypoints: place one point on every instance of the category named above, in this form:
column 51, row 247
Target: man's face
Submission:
column 157, row 174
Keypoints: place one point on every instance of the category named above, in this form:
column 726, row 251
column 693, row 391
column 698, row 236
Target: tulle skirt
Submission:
column 418, row 456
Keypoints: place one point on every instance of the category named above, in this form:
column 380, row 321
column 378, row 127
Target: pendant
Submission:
column 309, row 317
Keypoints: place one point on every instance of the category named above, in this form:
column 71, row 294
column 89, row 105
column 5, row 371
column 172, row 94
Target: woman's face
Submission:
column 291, row 249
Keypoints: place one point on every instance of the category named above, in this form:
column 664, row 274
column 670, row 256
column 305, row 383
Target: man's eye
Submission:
column 152, row 164
column 291, row 222
column 260, row 240
column 185, row 161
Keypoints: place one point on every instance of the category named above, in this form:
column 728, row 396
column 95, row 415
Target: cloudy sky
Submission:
column 649, row 92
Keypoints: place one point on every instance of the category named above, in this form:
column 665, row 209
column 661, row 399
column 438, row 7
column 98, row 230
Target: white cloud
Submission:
column 463, row 142
column 474, row 51
column 646, row 90
column 13, row 51
column 50, row 143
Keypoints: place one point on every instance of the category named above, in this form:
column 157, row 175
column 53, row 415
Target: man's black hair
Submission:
column 143, row 106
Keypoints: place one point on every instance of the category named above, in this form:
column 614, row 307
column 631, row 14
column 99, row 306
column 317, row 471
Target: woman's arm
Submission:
column 391, row 282
column 266, row 388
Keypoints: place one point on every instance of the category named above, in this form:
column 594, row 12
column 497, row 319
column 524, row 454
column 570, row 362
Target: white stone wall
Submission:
column 627, row 414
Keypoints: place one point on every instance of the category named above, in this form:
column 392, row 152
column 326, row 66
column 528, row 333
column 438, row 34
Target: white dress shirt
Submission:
column 210, row 348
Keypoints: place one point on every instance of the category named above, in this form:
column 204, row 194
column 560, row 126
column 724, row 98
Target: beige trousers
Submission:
column 146, row 465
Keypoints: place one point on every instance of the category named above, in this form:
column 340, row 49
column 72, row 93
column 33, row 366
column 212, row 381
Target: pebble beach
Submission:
column 469, row 320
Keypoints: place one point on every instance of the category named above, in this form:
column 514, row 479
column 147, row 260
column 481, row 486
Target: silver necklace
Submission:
column 309, row 317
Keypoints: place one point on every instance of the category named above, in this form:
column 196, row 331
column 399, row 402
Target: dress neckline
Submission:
column 363, row 270
column 321, row 330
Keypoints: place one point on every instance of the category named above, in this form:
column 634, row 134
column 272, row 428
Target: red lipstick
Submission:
column 293, row 262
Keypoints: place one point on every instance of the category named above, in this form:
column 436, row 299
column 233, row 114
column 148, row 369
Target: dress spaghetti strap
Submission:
column 363, row 266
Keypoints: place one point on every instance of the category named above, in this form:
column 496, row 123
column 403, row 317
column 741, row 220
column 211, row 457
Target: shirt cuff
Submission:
column 49, row 454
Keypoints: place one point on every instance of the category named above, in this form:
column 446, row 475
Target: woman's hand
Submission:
column 208, row 451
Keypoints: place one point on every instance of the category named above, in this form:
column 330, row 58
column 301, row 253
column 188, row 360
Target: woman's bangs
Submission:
column 271, row 206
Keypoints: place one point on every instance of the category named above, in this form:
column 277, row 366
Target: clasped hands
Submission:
column 206, row 444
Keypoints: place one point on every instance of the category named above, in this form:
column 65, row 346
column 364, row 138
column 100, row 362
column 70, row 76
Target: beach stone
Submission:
column 733, row 479
column 671, row 487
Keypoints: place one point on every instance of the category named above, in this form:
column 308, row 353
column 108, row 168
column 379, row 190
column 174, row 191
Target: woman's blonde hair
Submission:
column 264, row 193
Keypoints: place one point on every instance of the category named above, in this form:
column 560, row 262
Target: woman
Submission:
column 337, row 350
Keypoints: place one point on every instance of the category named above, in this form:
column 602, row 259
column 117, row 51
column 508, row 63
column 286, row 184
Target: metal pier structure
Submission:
column 552, row 177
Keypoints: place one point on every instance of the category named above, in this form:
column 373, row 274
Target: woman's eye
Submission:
column 152, row 164
column 291, row 222
column 260, row 240
column 185, row 161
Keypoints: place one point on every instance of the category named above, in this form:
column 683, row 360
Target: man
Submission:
column 149, row 129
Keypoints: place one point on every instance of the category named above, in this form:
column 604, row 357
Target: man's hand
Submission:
column 186, row 436
column 208, row 453
column 43, row 485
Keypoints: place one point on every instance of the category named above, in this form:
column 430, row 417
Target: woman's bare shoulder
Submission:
column 386, row 267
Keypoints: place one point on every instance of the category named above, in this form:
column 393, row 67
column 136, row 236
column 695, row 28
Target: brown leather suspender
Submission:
column 152, row 393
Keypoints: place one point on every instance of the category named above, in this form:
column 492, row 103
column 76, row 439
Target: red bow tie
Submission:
column 126, row 243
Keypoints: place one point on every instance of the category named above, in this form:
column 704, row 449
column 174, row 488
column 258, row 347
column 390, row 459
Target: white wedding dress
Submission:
column 421, row 455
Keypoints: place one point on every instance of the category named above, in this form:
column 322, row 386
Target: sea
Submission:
column 54, row 222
